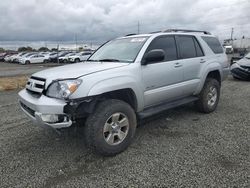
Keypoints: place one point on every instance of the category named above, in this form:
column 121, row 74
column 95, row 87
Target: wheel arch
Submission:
column 213, row 70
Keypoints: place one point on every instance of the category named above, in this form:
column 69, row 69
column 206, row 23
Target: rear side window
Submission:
column 214, row 44
column 186, row 47
column 199, row 51
column 166, row 43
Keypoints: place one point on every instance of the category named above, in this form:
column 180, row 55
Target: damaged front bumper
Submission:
column 54, row 113
column 44, row 111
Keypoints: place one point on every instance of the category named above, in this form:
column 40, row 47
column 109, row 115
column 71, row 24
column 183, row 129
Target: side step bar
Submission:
column 165, row 106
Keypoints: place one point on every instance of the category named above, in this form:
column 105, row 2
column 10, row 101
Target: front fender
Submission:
column 117, row 83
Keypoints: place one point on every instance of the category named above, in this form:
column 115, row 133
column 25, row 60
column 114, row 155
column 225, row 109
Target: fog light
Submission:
column 49, row 118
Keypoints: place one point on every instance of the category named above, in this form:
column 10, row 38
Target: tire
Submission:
column 65, row 61
column 77, row 60
column 27, row 62
column 45, row 61
column 106, row 113
column 209, row 96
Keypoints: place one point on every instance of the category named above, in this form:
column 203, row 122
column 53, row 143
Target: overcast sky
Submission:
column 99, row 20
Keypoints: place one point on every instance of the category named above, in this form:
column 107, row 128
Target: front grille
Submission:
column 246, row 68
column 35, row 85
column 27, row 109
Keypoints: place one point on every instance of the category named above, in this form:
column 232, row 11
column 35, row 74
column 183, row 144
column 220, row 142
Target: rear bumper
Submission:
column 36, row 108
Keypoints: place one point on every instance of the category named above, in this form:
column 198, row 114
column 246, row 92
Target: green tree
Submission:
column 23, row 49
column 54, row 49
column 44, row 49
column 2, row 49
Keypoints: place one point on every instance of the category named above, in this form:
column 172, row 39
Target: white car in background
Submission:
column 14, row 58
column 35, row 58
column 65, row 58
column 18, row 59
column 81, row 56
column 7, row 58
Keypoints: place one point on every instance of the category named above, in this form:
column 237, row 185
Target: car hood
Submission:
column 76, row 70
column 244, row 62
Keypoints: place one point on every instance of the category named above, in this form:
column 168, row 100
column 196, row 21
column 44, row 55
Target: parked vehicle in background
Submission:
column 13, row 58
column 35, row 58
column 128, row 78
column 5, row 56
column 81, row 56
column 54, row 58
column 229, row 49
column 65, row 58
column 27, row 55
column 241, row 69
column 235, row 59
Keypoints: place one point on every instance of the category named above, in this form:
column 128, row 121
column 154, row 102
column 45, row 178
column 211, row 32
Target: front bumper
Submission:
column 239, row 72
column 37, row 107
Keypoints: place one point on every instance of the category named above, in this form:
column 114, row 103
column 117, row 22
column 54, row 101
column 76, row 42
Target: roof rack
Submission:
column 131, row 34
column 187, row 30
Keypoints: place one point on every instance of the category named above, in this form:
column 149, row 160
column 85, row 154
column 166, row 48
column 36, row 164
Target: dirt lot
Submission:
column 13, row 69
column 180, row 148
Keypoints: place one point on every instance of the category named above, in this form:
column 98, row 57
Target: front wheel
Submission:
column 111, row 128
column 209, row 96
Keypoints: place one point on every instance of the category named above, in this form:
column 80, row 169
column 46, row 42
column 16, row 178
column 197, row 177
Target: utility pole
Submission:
column 138, row 27
column 232, row 32
column 76, row 41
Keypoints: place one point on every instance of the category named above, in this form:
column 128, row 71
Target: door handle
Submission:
column 176, row 65
column 203, row 61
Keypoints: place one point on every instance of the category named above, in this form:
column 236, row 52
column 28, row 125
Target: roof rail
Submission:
column 153, row 32
column 187, row 30
column 131, row 34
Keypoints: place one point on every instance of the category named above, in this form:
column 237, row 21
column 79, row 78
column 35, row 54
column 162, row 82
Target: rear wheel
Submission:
column 111, row 128
column 45, row 61
column 77, row 60
column 209, row 96
column 27, row 62
column 65, row 61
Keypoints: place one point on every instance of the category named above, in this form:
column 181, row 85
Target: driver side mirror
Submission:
column 153, row 56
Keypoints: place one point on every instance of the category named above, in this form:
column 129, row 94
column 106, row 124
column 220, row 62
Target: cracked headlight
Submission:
column 62, row 89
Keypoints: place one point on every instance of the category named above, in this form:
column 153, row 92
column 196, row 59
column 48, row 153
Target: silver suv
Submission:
column 128, row 78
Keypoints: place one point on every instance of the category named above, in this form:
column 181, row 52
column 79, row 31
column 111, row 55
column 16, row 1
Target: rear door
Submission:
column 191, row 56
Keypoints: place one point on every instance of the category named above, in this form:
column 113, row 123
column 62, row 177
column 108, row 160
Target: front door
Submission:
column 163, row 80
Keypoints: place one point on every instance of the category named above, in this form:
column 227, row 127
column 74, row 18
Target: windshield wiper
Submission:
column 109, row 60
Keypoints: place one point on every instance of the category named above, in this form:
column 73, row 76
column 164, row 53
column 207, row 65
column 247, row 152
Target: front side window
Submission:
column 167, row 44
column 119, row 50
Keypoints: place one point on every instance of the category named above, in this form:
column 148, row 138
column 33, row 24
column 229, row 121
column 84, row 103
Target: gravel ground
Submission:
column 13, row 69
column 178, row 148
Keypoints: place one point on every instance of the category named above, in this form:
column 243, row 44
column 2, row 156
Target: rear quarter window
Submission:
column 214, row 44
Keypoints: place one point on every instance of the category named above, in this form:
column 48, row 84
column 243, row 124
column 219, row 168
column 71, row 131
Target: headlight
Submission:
column 63, row 89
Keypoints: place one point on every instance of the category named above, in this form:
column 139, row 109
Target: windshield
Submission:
column 247, row 56
column 119, row 50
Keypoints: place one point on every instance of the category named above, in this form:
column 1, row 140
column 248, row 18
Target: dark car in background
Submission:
column 241, row 69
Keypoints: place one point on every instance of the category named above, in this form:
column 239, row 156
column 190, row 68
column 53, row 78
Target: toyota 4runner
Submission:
column 128, row 78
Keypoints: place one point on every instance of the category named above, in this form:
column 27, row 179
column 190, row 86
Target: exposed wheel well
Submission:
column 126, row 95
column 215, row 74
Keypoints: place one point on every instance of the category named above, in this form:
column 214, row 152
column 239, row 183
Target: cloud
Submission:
column 97, row 21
